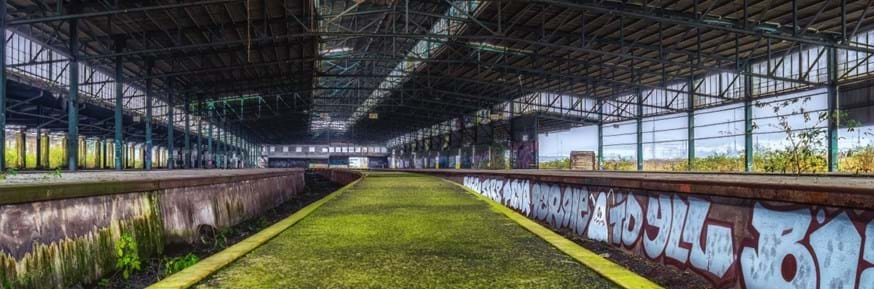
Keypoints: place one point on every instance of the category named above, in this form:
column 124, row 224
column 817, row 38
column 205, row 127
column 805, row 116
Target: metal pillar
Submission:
column 690, row 127
column 38, row 151
column 187, row 153
column 639, row 130
column 600, row 135
column 3, row 92
column 147, row 154
column 73, row 95
column 171, row 129
column 22, row 148
column 748, row 120
column 210, row 112
column 833, row 112
column 119, row 106
column 199, row 160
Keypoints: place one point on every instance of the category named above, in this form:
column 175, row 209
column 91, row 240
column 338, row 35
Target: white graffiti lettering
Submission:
column 658, row 219
column 780, row 234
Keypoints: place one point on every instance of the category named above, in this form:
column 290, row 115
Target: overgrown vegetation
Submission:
column 405, row 231
column 561, row 164
column 620, row 164
column 176, row 264
column 9, row 172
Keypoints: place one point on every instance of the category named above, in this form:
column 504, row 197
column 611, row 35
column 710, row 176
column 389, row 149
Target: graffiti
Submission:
column 734, row 243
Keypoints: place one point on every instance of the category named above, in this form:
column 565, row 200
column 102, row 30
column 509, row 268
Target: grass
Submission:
column 405, row 231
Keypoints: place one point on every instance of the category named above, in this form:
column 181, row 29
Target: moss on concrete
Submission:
column 406, row 231
column 85, row 258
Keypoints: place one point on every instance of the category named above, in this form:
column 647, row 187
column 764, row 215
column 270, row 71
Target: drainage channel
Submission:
column 214, row 240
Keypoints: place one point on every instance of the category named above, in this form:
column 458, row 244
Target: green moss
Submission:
column 406, row 231
column 66, row 262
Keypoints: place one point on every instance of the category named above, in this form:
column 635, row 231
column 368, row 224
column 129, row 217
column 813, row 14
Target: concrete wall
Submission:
column 802, row 241
column 66, row 235
column 339, row 176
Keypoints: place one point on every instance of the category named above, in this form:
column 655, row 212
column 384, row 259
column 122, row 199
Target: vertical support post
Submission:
column 73, row 95
column 38, row 151
column 147, row 155
column 600, row 156
column 200, row 150
column 639, row 130
column 187, row 153
column 748, row 120
column 22, row 148
column 3, row 90
column 833, row 113
column 218, row 140
column 171, row 128
column 118, row 138
column 690, row 126
column 46, row 160
column 210, row 125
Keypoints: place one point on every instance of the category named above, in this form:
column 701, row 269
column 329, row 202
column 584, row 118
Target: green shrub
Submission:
column 128, row 255
column 562, row 164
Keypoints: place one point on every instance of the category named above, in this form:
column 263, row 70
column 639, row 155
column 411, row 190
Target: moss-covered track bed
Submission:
column 394, row 230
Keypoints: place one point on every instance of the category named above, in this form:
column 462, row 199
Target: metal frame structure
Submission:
column 403, row 71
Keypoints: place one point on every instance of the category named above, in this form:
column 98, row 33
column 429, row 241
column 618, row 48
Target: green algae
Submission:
column 405, row 231
column 85, row 258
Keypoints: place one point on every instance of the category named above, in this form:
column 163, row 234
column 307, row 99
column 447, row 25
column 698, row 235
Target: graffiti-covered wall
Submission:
column 732, row 242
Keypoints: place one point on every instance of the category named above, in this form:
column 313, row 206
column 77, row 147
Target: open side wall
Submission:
column 736, row 235
column 58, row 235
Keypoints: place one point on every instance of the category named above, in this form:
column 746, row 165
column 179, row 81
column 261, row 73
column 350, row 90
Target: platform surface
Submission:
column 395, row 230
column 85, row 176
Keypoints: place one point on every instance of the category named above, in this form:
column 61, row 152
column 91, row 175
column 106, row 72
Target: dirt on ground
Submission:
column 666, row 276
column 152, row 269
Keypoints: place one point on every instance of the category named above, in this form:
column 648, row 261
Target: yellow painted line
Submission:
column 606, row 268
column 194, row 274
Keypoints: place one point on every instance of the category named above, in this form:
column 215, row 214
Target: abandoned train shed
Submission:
column 344, row 143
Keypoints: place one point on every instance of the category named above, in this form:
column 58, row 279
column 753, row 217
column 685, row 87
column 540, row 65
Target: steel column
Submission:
column 119, row 107
column 199, row 158
column 147, row 155
column 690, row 128
column 171, row 128
column 833, row 112
column 600, row 135
column 73, row 95
column 210, row 121
column 748, row 121
column 3, row 91
column 187, row 153
column 639, row 96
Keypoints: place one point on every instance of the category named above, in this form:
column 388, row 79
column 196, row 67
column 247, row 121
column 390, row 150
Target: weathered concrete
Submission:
column 58, row 234
column 736, row 231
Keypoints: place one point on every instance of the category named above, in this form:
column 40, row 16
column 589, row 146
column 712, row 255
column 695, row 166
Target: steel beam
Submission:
column 77, row 16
